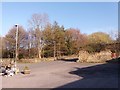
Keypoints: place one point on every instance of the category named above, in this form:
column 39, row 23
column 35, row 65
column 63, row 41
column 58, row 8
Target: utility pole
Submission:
column 29, row 43
column 16, row 57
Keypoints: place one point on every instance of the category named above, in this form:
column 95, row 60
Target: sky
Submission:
column 89, row 17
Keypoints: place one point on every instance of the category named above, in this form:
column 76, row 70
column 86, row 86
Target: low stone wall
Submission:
column 100, row 57
column 27, row 61
column 7, row 61
column 35, row 60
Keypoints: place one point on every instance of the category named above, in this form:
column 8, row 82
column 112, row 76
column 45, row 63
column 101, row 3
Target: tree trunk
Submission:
column 39, row 52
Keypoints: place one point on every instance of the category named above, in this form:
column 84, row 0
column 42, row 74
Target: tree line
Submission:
column 43, row 39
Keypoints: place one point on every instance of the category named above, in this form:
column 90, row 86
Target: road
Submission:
column 65, row 74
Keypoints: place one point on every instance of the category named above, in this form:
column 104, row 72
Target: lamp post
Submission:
column 16, row 57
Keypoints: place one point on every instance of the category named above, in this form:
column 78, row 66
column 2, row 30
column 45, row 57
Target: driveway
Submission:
column 65, row 74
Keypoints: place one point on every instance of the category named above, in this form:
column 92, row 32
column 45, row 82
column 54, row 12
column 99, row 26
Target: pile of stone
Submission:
column 105, row 55
column 83, row 56
column 102, row 56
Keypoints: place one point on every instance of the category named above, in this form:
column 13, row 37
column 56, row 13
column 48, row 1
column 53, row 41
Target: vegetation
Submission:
column 43, row 39
column 26, row 70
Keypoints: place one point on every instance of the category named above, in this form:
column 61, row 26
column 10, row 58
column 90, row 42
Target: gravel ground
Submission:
column 65, row 74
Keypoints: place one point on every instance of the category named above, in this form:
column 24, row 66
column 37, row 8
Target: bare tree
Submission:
column 2, row 45
column 10, row 38
column 114, row 34
column 38, row 23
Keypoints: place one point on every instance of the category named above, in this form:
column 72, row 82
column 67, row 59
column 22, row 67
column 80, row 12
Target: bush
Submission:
column 26, row 68
column 20, row 56
column 94, row 47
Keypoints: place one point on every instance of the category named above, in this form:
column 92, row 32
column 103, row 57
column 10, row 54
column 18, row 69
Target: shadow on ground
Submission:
column 99, row 76
column 69, row 60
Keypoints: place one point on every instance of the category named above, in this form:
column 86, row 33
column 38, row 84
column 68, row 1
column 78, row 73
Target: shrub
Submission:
column 26, row 68
column 20, row 56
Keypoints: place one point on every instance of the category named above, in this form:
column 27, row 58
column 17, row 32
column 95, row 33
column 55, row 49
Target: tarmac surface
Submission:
column 65, row 74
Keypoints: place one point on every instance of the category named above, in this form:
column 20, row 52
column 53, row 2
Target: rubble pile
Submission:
column 102, row 56
column 83, row 56
column 105, row 55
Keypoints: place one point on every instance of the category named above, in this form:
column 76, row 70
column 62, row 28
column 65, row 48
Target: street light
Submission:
column 16, row 57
